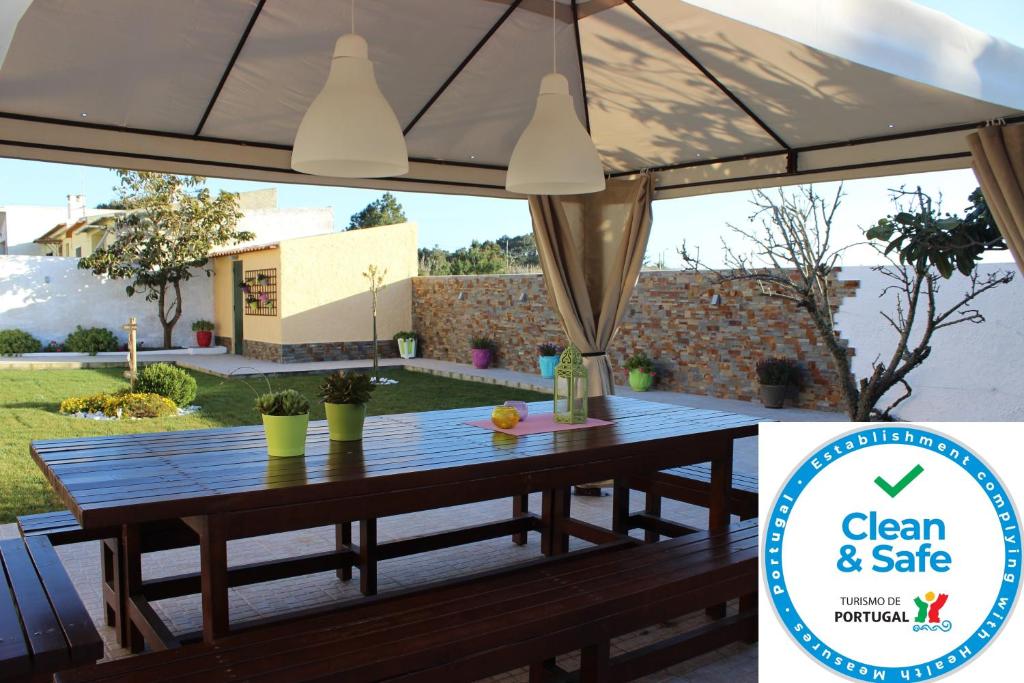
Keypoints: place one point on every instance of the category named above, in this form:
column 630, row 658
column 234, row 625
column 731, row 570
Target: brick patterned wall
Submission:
column 306, row 353
column 698, row 347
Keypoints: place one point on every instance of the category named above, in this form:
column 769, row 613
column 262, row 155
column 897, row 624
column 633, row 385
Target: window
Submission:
column 78, row 252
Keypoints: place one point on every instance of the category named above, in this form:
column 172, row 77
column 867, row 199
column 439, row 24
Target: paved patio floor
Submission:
column 737, row 662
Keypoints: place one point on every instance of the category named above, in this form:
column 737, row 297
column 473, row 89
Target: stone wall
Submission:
column 699, row 346
column 327, row 351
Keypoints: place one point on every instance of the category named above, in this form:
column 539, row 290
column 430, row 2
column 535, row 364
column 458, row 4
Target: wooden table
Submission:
column 221, row 485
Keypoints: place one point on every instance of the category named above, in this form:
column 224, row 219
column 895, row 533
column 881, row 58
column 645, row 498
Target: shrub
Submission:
column 778, row 372
column 91, row 340
column 405, row 335
column 484, row 343
column 549, row 349
column 640, row 361
column 282, row 403
column 168, row 381
column 122, row 404
column 15, row 342
column 347, row 387
column 202, row 326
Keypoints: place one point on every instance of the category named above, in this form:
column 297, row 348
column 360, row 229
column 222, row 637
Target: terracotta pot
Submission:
column 773, row 395
column 204, row 338
column 481, row 358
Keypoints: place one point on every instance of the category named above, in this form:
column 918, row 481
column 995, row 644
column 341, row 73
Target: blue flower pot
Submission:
column 547, row 366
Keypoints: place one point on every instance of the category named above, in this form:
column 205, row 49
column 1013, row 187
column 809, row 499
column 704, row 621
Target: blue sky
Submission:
column 451, row 222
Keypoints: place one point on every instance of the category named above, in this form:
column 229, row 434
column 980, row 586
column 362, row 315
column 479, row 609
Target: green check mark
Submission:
column 894, row 491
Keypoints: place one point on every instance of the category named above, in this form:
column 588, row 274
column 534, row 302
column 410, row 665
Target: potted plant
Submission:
column 204, row 332
column 641, row 371
column 484, row 350
column 285, row 419
column 406, row 343
column 547, row 357
column 345, row 395
column 776, row 376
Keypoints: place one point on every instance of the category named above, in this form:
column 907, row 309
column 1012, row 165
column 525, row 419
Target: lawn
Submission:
column 29, row 399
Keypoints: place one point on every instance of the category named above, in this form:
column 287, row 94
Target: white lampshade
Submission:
column 11, row 12
column 554, row 155
column 350, row 130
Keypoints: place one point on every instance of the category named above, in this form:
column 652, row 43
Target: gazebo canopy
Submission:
column 711, row 95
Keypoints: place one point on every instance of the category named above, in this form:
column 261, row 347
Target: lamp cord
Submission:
column 554, row 42
column 353, row 7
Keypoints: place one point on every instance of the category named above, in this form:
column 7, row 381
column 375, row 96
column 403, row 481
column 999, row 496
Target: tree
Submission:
column 172, row 223
column 504, row 255
column 383, row 211
column 375, row 278
column 793, row 258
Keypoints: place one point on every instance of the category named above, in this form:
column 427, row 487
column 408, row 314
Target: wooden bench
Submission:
column 61, row 528
column 691, row 484
column 471, row 628
column 44, row 627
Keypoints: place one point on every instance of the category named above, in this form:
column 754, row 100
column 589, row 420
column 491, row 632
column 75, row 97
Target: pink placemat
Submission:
column 538, row 424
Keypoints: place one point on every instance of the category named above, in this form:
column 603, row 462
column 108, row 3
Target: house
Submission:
column 21, row 225
column 85, row 230
column 306, row 299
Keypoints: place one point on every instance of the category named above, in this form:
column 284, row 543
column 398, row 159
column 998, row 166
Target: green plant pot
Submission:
column 345, row 420
column 407, row 347
column 640, row 380
column 286, row 434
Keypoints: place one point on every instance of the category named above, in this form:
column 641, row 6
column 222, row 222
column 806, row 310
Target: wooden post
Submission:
column 132, row 329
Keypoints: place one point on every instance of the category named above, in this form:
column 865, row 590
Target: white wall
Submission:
column 48, row 296
column 23, row 224
column 974, row 372
column 277, row 225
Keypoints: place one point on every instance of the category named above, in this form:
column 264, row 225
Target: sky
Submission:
column 454, row 221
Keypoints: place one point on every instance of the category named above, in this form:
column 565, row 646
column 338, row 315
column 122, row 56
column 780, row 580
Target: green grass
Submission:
column 29, row 400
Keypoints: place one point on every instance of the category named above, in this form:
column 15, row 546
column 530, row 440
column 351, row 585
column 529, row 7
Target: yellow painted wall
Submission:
column 256, row 327
column 324, row 296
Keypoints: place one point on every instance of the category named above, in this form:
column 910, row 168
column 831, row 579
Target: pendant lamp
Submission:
column 11, row 12
column 350, row 130
column 555, row 154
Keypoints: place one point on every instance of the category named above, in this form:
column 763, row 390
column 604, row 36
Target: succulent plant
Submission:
column 347, row 387
column 282, row 403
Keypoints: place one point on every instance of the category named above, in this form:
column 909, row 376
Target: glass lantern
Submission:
column 571, row 388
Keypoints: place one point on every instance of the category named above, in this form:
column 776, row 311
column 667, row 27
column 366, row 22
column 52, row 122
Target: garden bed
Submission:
column 67, row 355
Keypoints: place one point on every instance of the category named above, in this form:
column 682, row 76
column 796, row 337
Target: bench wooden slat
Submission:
column 42, row 629
column 15, row 659
column 575, row 596
column 84, row 642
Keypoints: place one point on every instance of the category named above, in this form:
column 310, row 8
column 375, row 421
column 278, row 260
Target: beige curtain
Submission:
column 591, row 249
column 998, row 156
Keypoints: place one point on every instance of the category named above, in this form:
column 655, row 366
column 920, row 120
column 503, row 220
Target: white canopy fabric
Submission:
column 710, row 95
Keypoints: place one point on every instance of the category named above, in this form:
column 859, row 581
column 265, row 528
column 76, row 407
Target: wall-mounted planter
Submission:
column 547, row 366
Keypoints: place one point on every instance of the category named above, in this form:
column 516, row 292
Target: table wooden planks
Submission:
column 223, row 485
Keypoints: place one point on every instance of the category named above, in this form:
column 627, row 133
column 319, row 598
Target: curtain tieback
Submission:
column 592, row 354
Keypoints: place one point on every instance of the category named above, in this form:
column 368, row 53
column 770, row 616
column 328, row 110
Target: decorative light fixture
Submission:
column 350, row 130
column 11, row 12
column 555, row 154
column 571, row 388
